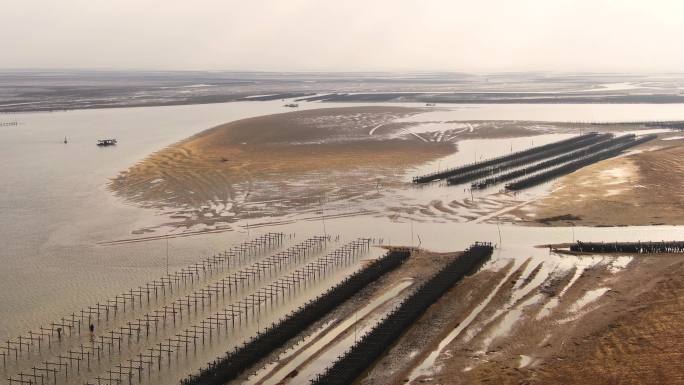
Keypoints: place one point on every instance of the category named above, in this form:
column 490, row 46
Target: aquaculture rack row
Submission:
column 490, row 163
column 576, row 165
column 233, row 282
column 584, row 151
column 74, row 322
column 491, row 170
column 204, row 330
column 236, row 362
column 355, row 361
column 629, row 247
column 240, row 279
column 71, row 326
column 113, row 339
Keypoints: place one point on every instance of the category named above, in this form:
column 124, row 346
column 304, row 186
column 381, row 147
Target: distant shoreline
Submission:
column 370, row 98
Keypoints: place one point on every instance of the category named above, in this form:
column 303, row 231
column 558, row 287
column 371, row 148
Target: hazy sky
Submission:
column 322, row 35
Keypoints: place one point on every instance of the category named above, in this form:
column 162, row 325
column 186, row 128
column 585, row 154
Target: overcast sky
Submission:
column 354, row 35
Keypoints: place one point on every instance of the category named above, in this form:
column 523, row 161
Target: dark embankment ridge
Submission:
column 577, row 164
column 234, row 363
column 492, row 164
column 629, row 247
column 372, row 345
column 530, row 159
column 567, row 157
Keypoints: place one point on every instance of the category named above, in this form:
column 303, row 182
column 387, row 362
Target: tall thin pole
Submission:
column 499, row 228
column 167, row 256
column 247, row 219
column 412, row 232
column 356, row 323
column 323, row 215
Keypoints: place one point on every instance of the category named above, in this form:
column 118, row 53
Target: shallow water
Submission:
column 222, row 338
column 577, row 113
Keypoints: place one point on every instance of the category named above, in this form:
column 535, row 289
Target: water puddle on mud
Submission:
column 577, row 309
column 526, row 361
column 588, row 297
column 505, row 325
column 305, row 362
column 580, row 264
column 619, row 263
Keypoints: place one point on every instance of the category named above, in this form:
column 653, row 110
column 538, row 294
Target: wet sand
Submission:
column 603, row 331
column 642, row 188
column 280, row 164
column 641, row 342
column 265, row 166
column 595, row 320
column 274, row 165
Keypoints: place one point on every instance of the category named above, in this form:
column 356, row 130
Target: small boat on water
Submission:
column 106, row 142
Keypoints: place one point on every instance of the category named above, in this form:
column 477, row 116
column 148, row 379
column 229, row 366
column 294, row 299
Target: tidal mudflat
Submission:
column 186, row 183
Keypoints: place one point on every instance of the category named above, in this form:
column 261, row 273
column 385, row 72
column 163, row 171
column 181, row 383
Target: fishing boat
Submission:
column 106, row 142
